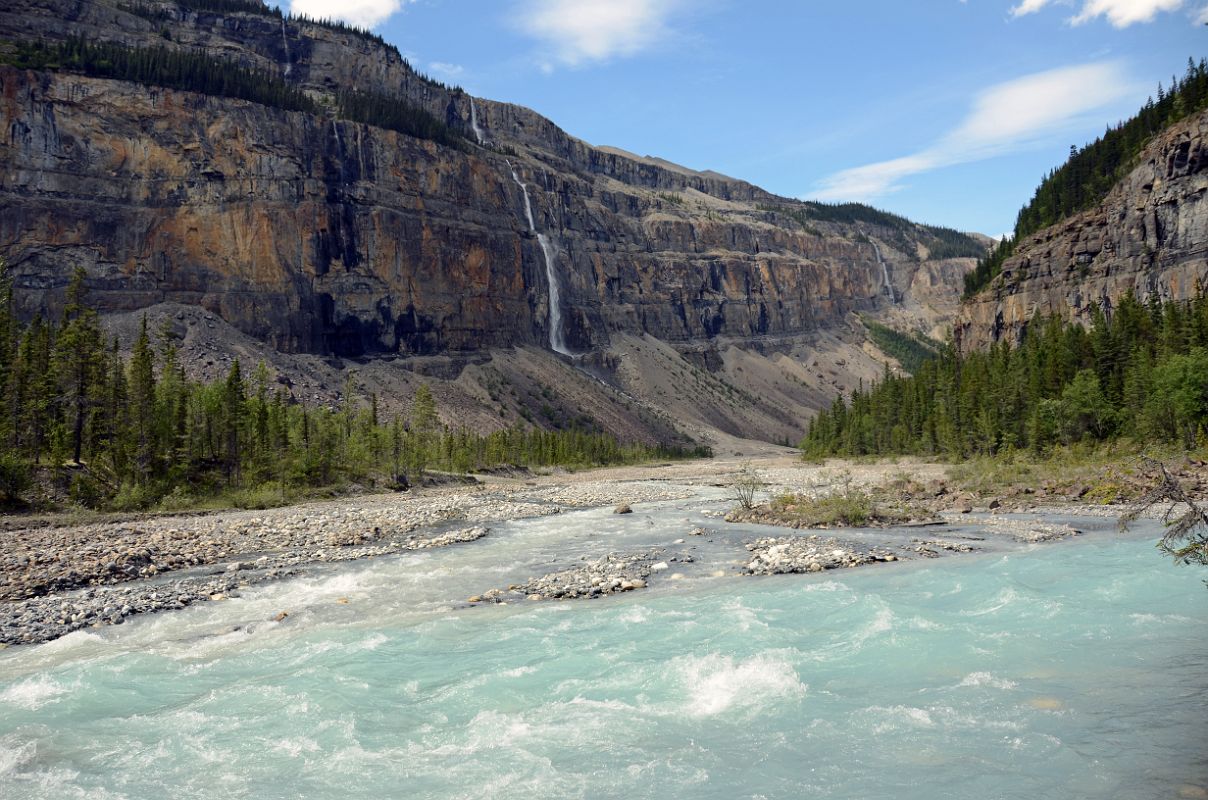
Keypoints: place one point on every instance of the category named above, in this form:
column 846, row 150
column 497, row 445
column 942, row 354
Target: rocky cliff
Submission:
column 1148, row 236
column 318, row 235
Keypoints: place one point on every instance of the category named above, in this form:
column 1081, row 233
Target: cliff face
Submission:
column 1150, row 236
column 325, row 236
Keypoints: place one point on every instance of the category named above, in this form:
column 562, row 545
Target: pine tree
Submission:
column 232, row 421
column 143, row 404
column 77, row 357
column 423, row 426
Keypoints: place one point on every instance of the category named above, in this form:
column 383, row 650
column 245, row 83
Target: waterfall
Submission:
column 335, row 129
column 477, row 130
column 557, row 339
column 893, row 300
column 289, row 59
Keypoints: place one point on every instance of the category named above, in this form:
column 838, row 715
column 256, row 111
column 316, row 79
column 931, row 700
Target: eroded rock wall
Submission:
column 323, row 236
column 1149, row 236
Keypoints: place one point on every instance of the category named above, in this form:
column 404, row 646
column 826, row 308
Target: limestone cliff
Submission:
column 1149, row 235
column 322, row 235
column 317, row 235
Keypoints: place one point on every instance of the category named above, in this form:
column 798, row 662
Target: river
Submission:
column 1073, row 669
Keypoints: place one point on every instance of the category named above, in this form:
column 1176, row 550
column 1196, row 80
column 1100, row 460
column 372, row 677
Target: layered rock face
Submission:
column 324, row 236
column 1149, row 236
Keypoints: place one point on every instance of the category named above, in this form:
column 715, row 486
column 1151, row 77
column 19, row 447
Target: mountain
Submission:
column 1148, row 236
column 281, row 189
column 1123, row 215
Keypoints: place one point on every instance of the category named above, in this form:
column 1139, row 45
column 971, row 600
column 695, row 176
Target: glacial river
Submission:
column 1075, row 669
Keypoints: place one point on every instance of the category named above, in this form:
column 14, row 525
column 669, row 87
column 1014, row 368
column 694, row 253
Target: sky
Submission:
column 945, row 111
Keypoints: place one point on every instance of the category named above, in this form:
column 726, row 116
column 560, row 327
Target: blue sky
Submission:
column 948, row 112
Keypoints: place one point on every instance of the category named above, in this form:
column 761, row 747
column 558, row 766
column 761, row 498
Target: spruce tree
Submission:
column 77, row 358
column 142, row 404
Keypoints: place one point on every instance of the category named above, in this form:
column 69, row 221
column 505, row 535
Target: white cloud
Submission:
column 362, row 13
column 1028, row 7
column 1120, row 13
column 579, row 32
column 446, row 71
column 1006, row 117
column 1201, row 17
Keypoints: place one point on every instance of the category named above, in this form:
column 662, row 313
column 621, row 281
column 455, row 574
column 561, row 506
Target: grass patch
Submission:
column 852, row 509
column 1106, row 474
column 848, row 507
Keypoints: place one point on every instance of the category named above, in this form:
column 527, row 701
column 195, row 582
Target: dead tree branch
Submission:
column 1186, row 537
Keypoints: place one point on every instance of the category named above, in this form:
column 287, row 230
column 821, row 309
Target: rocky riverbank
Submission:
column 58, row 575
column 42, row 618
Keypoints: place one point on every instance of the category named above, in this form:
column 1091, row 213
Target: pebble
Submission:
column 805, row 554
column 39, row 619
column 610, row 574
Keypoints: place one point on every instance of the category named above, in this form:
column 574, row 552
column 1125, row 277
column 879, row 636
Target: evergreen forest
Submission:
column 1091, row 172
column 1139, row 373
column 193, row 71
column 116, row 432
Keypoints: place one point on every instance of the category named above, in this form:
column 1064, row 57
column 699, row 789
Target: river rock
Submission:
column 615, row 572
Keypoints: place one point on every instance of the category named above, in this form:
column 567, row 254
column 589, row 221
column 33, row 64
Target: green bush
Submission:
column 15, row 481
column 86, row 491
column 132, row 497
column 851, row 509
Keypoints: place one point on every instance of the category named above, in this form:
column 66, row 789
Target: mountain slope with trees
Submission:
column 1141, row 373
column 125, row 433
column 1094, row 169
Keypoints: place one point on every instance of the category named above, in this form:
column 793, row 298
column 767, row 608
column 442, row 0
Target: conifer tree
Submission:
column 142, row 404
column 232, row 422
column 77, row 356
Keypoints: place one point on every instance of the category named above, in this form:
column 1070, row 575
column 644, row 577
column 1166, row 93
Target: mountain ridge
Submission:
column 337, row 238
column 1148, row 236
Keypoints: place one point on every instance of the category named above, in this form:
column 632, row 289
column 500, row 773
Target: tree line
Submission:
column 1091, row 171
column 159, row 13
column 911, row 350
column 111, row 431
column 194, row 71
column 1140, row 371
column 940, row 242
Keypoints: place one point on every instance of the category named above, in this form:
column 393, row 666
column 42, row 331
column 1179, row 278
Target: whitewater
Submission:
column 1065, row 670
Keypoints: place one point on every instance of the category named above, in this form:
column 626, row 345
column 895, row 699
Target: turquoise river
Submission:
column 1076, row 669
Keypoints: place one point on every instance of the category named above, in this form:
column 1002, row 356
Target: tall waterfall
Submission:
column 477, row 130
column 557, row 339
column 289, row 59
column 893, row 300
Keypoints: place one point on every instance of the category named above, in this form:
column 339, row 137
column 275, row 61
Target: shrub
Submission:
column 15, row 481
column 745, row 486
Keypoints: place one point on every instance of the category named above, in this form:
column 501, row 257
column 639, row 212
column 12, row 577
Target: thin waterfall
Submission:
column 557, row 339
column 893, row 300
column 474, row 123
column 289, row 59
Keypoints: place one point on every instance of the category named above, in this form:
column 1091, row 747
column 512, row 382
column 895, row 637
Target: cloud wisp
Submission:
column 1006, row 117
column 362, row 13
column 1120, row 13
column 578, row 33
